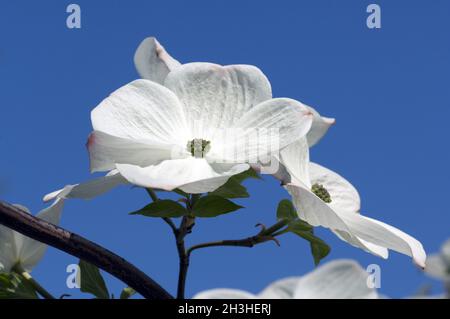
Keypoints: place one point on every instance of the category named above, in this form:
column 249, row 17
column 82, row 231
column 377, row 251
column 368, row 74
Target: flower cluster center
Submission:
column 321, row 192
column 198, row 147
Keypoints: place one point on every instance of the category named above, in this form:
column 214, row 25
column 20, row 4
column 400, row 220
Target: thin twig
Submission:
column 266, row 234
column 171, row 224
column 246, row 242
column 73, row 244
column 152, row 194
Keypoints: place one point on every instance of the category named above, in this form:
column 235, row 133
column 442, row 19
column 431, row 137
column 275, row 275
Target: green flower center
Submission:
column 321, row 192
column 198, row 147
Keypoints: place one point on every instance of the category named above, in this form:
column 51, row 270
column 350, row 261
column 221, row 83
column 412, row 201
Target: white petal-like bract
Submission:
column 182, row 173
column 153, row 62
column 89, row 189
column 319, row 127
column 16, row 248
column 215, row 97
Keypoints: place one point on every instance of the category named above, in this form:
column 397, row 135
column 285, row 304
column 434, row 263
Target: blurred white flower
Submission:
column 438, row 265
column 339, row 279
column 324, row 198
column 17, row 249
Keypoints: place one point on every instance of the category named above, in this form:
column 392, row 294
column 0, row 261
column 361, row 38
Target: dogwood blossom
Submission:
column 324, row 198
column 438, row 265
column 17, row 249
column 145, row 132
column 339, row 279
column 156, row 138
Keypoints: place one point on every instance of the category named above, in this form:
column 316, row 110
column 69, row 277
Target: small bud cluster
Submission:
column 198, row 147
column 321, row 192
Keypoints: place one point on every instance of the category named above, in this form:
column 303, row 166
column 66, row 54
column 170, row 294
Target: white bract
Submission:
column 172, row 129
column 339, row 279
column 154, row 63
column 17, row 249
column 438, row 265
column 324, row 198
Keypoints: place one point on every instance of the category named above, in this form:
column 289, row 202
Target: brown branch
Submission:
column 75, row 245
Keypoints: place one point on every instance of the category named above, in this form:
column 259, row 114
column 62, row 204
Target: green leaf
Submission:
column 92, row 281
column 231, row 189
column 250, row 173
column 127, row 293
column 286, row 210
column 319, row 251
column 298, row 225
column 319, row 248
column 213, row 205
column 162, row 208
column 14, row 286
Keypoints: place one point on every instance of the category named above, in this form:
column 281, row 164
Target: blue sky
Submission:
column 387, row 88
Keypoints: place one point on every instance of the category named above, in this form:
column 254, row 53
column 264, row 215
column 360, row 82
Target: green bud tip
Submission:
column 321, row 192
column 198, row 147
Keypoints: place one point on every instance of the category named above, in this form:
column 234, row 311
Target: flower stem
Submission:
column 184, row 261
column 180, row 233
column 266, row 234
column 274, row 228
column 24, row 274
column 185, row 228
column 152, row 194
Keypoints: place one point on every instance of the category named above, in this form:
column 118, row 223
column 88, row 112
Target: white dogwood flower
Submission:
column 438, row 265
column 167, row 139
column 154, row 63
column 171, row 136
column 339, row 279
column 324, row 198
column 19, row 250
